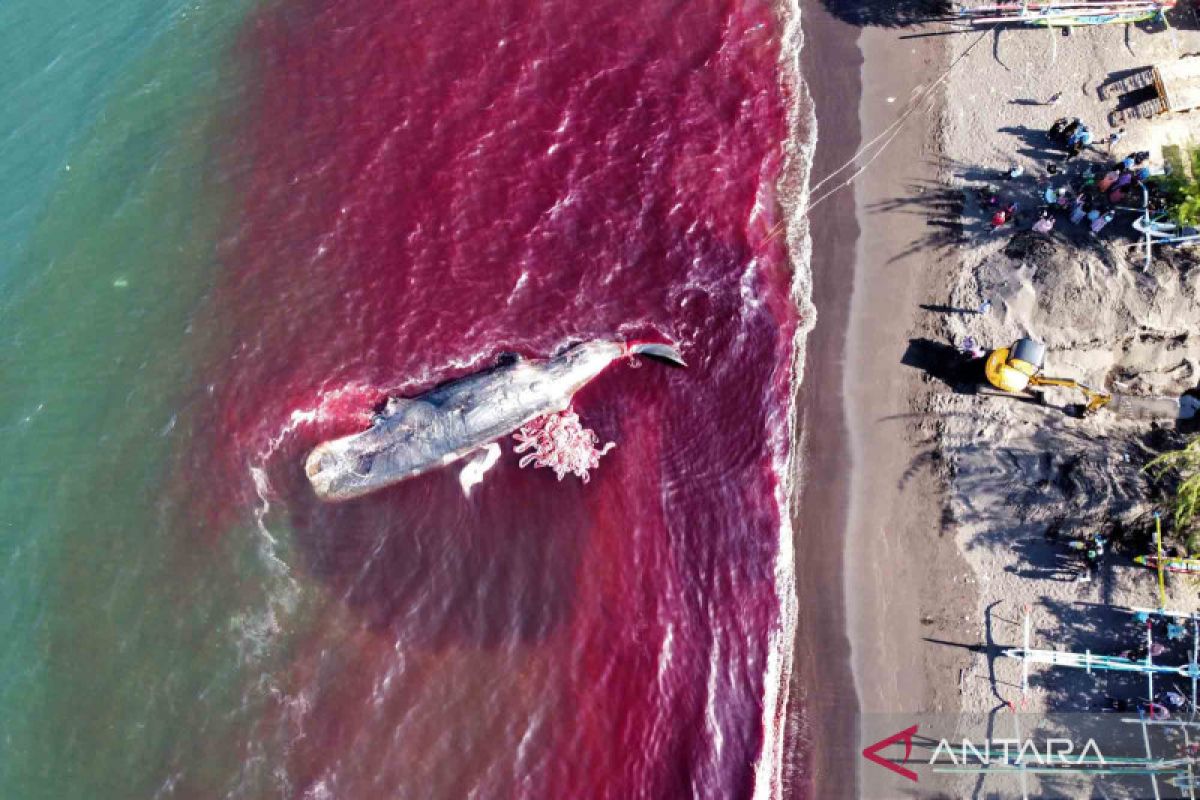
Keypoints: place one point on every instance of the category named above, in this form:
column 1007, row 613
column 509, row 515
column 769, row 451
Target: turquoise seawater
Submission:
column 127, row 653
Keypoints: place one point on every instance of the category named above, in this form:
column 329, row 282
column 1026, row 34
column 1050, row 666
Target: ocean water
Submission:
column 231, row 228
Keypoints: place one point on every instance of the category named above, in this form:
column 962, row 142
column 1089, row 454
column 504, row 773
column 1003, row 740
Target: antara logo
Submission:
column 1056, row 751
column 1015, row 752
column 872, row 753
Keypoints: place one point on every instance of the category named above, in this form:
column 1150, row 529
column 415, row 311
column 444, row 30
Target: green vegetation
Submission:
column 1182, row 183
column 1183, row 466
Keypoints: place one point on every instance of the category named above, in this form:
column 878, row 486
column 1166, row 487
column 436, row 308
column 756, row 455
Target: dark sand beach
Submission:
column 867, row 521
column 821, row 676
column 905, row 572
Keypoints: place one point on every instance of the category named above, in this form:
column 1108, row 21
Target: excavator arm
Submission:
column 1096, row 400
column 1017, row 368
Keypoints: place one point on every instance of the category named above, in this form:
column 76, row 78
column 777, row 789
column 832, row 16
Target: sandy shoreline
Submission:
column 821, row 689
column 907, row 576
column 895, row 503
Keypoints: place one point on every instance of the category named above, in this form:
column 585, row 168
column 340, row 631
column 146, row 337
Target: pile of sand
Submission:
column 1018, row 471
column 1104, row 321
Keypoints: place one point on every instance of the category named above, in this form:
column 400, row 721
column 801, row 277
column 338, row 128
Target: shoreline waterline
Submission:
column 824, row 725
column 793, row 192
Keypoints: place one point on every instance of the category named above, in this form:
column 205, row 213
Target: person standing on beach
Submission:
column 1078, row 140
column 1081, row 134
column 1089, row 176
column 971, row 348
column 1003, row 215
column 1115, row 137
column 1173, row 700
column 1078, row 211
column 1068, row 130
column 1100, row 221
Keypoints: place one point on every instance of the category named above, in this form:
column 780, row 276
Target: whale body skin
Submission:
column 414, row 436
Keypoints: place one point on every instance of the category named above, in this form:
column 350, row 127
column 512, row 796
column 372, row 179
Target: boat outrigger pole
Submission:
column 1090, row 661
column 1179, row 772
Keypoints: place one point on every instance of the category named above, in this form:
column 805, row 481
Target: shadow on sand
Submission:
column 946, row 363
column 896, row 14
column 959, row 213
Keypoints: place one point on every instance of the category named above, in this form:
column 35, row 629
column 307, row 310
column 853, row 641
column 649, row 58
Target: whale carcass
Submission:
column 413, row 436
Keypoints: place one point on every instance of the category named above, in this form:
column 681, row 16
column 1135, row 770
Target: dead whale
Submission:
column 413, row 436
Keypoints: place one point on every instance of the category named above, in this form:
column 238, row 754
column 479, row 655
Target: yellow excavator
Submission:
column 1018, row 368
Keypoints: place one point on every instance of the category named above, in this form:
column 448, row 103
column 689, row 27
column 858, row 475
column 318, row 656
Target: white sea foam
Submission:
column 319, row 791
column 794, row 197
column 664, row 655
column 712, row 693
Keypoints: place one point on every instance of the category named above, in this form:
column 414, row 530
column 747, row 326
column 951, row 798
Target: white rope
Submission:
column 891, row 131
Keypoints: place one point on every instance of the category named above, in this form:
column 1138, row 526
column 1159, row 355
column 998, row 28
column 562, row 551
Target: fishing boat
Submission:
column 1186, row 566
column 1056, row 14
column 1163, row 229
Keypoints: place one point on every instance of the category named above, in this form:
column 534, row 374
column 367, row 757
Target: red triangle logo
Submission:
column 872, row 753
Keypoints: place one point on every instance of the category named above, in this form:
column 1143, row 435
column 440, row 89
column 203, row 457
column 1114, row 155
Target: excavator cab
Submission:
column 1011, row 368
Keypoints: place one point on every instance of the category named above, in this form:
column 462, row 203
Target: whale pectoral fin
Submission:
column 478, row 462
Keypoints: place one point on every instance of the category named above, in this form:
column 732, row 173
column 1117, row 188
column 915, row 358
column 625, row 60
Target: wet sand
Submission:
column 821, row 676
column 906, row 574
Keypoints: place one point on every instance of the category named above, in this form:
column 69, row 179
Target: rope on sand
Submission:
column 891, row 131
column 887, row 134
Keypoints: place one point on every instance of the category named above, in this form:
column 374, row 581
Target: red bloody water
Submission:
column 427, row 185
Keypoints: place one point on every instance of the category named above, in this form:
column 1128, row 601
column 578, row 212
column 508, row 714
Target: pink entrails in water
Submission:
column 559, row 442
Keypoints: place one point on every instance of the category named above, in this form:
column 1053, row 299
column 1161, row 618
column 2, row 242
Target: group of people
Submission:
column 1071, row 135
column 1091, row 547
column 1088, row 551
column 1166, row 702
column 1091, row 198
column 1161, row 708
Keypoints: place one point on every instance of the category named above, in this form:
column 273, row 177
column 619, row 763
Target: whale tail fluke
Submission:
column 659, row 351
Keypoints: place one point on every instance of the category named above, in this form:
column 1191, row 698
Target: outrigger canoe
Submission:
column 1063, row 13
column 1186, row 566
